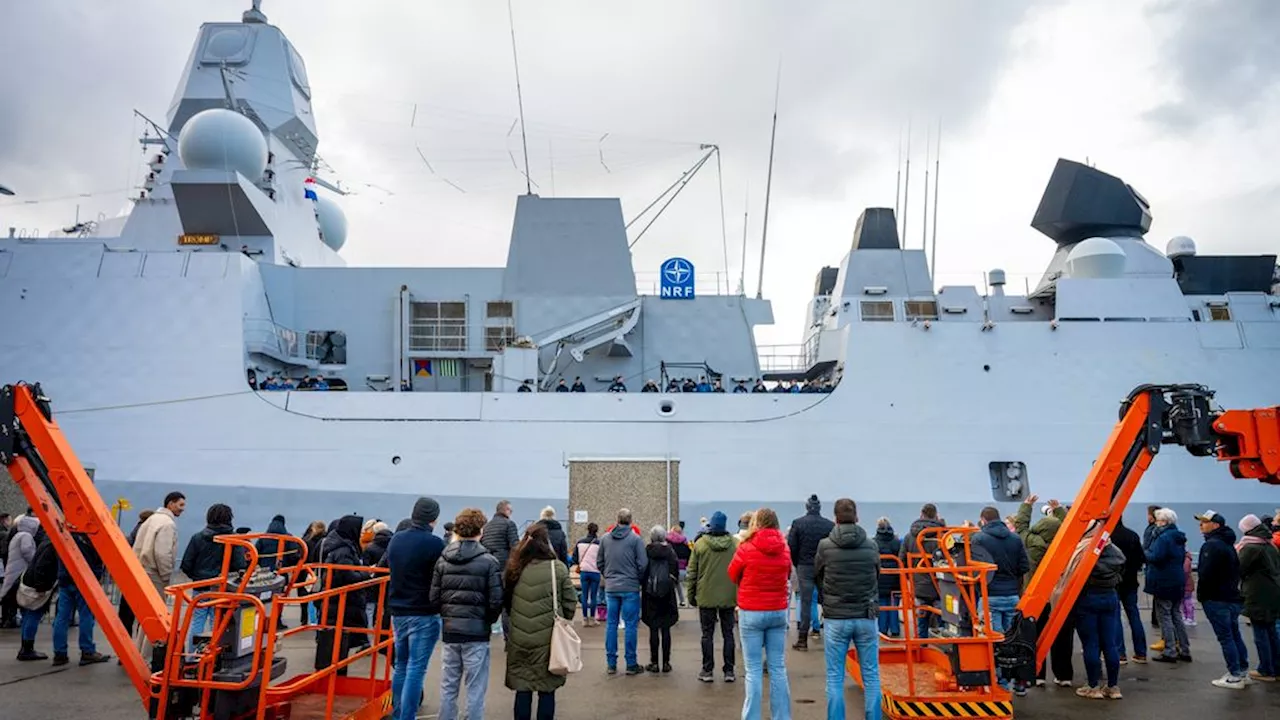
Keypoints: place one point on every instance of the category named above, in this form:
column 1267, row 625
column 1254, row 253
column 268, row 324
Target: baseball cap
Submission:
column 1211, row 516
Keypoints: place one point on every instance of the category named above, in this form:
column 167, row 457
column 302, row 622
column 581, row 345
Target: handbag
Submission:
column 29, row 598
column 566, row 646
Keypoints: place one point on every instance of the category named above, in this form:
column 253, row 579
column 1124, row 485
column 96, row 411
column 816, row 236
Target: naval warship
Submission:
column 169, row 338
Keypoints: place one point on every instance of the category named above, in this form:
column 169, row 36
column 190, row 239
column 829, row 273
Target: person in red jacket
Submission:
column 761, row 569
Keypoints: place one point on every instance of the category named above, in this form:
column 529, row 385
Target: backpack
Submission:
column 659, row 583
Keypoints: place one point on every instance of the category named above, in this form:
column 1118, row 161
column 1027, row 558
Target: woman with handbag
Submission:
column 536, row 592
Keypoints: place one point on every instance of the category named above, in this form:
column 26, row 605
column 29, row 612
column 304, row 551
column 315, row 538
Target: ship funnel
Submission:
column 877, row 229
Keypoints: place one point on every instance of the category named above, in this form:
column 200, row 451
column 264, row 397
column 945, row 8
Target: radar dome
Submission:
column 1180, row 245
column 220, row 139
column 1095, row 259
column 333, row 222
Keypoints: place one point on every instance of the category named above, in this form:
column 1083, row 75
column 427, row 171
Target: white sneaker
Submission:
column 1230, row 682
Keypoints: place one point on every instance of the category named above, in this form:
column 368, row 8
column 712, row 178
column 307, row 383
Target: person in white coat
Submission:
column 156, row 547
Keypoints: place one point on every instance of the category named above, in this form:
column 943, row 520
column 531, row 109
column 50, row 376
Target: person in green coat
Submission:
column 1260, row 585
column 528, row 597
column 1038, row 538
column 714, row 594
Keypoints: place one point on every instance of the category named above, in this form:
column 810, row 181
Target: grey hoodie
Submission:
column 622, row 560
column 22, row 548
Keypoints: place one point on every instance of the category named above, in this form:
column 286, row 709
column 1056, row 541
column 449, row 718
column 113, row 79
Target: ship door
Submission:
column 598, row 488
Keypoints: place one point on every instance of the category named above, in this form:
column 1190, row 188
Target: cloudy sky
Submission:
column 1179, row 97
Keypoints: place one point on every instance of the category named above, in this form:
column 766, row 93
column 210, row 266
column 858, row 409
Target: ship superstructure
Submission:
column 159, row 332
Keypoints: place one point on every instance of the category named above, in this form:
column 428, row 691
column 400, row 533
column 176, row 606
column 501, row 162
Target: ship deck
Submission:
column 35, row 690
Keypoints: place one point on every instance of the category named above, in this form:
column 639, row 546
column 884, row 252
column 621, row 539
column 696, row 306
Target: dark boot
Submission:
column 802, row 643
column 28, row 652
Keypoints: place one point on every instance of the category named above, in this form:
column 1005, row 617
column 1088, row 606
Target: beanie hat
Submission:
column 812, row 504
column 425, row 511
column 1249, row 522
column 718, row 521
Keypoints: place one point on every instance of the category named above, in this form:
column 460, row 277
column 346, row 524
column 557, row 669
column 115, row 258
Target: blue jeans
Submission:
column 865, row 637
column 590, row 582
column 924, row 619
column 889, row 621
column 416, row 637
column 69, row 600
column 628, row 605
column 764, row 638
column 201, row 618
column 1003, row 610
column 1225, row 619
column 31, row 622
column 1096, row 616
column 1129, row 608
column 1267, row 640
column 461, row 662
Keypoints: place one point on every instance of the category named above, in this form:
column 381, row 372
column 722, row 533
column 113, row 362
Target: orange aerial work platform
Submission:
column 957, row 676
column 234, row 672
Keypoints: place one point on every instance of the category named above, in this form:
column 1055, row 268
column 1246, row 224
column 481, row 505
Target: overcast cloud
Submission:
column 1176, row 96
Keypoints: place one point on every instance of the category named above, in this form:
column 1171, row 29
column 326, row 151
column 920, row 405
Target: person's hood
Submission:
column 277, row 527
column 349, row 528
column 657, row 549
column 847, row 535
column 1223, row 533
column 27, row 524
column 463, row 552
column 885, row 533
column 769, row 541
column 997, row 529
column 922, row 523
column 621, row 531
column 719, row 541
column 1178, row 537
column 333, row 528
column 211, row 531
column 404, row 524
column 675, row 537
column 1261, row 531
column 552, row 524
column 382, row 537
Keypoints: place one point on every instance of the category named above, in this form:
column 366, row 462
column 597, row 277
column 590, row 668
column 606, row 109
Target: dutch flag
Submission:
column 309, row 189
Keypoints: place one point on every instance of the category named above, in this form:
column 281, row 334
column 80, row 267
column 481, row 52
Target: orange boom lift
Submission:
column 954, row 677
column 232, row 673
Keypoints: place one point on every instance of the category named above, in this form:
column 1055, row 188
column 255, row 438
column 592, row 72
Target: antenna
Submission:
column 768, row 185
column 906, row 190
column 924, row 230
column 742, row 271
column 897, row 184
column 524, row 139
column 937, row 172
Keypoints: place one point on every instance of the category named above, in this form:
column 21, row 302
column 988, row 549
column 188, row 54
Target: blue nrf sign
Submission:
column 676, row 279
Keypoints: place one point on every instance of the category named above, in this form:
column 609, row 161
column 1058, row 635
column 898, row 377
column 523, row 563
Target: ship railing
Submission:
column 710, row 283
column 782, row 358
column 274, row 339
column 1015, row 283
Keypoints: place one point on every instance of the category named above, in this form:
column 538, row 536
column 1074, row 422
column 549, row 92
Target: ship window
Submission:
column 877, row 310
column 500, row 309
column 438, row 326
column 1220, row 313
column 922, row 309
column 497, row 338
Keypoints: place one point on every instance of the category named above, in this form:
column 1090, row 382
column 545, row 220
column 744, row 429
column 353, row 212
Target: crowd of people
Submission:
column 701, row 385
column 452, row 591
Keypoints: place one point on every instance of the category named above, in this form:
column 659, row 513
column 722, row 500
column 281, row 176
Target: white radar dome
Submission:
column 1180, row 245
column 1096, row 259
column 333, row 222
column 220, row 139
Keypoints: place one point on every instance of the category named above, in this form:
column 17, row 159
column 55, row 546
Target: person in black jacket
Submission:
column 1010, row 557
column 310, row 612
column 1134, row 559
column 203, row 560
column 467, row 586
column 1097, row 611
column 342, row 547
column 926, row 593
column 555, row 532
column 890, row 584
column 127, row 617
column 270, row 552
column 806, row 532
column 658, row 607
column 500, row 535
column 847, row 567
column 1218, row 591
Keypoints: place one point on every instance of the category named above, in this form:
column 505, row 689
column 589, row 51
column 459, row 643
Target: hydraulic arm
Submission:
column 61, row 494
column 1152, row 416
